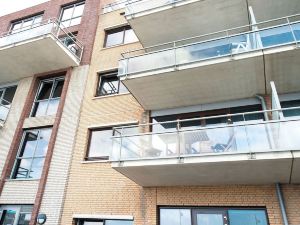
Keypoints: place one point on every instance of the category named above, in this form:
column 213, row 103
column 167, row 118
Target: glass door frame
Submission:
column 17, row 215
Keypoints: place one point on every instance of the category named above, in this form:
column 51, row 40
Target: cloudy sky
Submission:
column 9, row 6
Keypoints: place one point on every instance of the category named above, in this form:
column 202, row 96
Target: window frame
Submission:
column 54, row 82
column 17, row 208
column 3, row 90
column 108, row 74
column 21, row 147
column 103, row 221
column 23, row 20
column 72, row 5
column 116, row 30
column 212, row 208
column 89, row 139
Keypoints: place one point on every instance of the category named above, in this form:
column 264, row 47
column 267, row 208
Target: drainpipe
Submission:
column 281, row 204
column 264, row 106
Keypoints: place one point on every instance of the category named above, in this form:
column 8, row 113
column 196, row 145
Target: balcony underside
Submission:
column 190, row 18
column 187, row 19
column 216, row 80
column 262, row 168
column 35, row 56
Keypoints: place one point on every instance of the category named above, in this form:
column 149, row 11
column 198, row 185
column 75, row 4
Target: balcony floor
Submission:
column 263, row 168
column 35, row 56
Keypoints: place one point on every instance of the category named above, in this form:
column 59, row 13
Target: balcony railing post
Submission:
column 292, row 30
column 178, row 127
column 175, row 57
column 121, row 142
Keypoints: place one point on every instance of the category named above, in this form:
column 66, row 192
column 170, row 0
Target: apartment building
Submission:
column 45, row 53
column 190, row 116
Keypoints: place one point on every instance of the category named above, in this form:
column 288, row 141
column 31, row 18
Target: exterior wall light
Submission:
column 41, row 219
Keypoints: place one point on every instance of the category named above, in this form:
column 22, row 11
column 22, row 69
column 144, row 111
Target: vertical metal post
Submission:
column 292, row 30
column 281, row 204
column 175, row 57
column 178, row 139
column 121, row 142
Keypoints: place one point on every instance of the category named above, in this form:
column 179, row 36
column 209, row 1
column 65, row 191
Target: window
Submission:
column 289, row 104
column 15, row 214
column 101, row 143
column 104, row 222
column 32, row 152
column 71, row 14
column 70, row 42
column 212, row 216
column 109, row 84
column 25, row 24
column 48, row 97
column 118, row 36
column 6, row 97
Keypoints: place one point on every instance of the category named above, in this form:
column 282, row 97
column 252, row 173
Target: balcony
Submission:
column 4, row 110
column 243, row 150
column 220, row 66
column 37, row 49
column 159, row 21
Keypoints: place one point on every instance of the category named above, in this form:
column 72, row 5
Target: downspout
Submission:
column 281, row 204
column 264, row 106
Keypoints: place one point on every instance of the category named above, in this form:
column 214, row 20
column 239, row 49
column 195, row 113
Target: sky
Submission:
column 9, row 6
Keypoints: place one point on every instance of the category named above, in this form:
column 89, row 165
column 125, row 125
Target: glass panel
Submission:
column 292, row 112
column 118, row 222
column 58, row 89
column 209, row 219
column 114, row 38
column 9, row 95
column 43, row 142
column 40, row 108
column 78, row 10
column 67, row 13
column 37, row 167
column 30, row 142
column 175, row 217
column 27, row 24
column 4, row 112
column 53, row 106
column 17, row 26
column 38, row 20
column 9, row 217
column 109, row 85
column 75, row 21
column 276, row 36
column 100, row 143
column 66, row 23
column 130, row 36
column 24, row 218
column 296, row 29
column 92, row 223
column 23, row 170
column 45, row 91
column 247, row 217
column 122, row 88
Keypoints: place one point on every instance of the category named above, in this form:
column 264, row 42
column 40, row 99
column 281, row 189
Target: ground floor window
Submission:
column 15, row 214
column 212, row 216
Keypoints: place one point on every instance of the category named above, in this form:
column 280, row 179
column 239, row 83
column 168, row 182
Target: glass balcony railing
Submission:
column 228, row 43
column 52, row 27
column 241, row 133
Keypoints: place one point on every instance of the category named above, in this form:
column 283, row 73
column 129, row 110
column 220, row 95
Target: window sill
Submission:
column 113, row 95
column 95, row 161
column 16, row 180
column 120, row 45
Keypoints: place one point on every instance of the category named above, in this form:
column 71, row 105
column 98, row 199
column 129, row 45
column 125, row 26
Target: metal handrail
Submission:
column 227, row 31
column 57, row 29
column 206, row 118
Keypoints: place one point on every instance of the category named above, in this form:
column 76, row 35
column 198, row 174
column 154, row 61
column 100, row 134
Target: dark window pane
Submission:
column 175, row 216
column 109, row 85
column 58, row 89
column 29, row 146
column 130, row 36
column 23, row 168
column 100, row 143
column 118, row 222
column 247, row 217
column 9, row 95
column 8, row 217
column 288, row 104
column 45, row 91
column 24, row 218
column 115, row 38
column 37, row 167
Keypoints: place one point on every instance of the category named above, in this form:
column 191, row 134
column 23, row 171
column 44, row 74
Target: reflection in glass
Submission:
column 118, row 222
column 247, row 217
column 209, row 219
column 175, row 216
column 36, row 168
